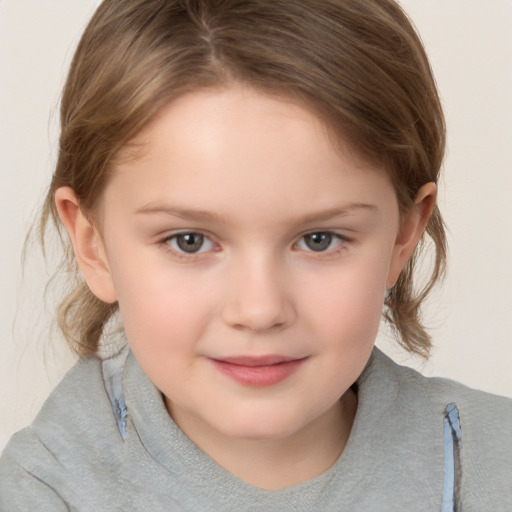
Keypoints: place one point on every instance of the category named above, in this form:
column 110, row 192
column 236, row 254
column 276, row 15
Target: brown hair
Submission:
column 358, row 63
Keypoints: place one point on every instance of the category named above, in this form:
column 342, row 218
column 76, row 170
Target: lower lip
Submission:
column 258, row 376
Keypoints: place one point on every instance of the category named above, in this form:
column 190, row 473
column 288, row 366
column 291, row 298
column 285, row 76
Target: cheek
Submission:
column 160, row 306
column 344, row 316
column 347, row 296
column 345, row 321
column 164, row 320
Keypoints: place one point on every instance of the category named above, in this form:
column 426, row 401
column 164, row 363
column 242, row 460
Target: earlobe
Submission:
column 411, row 230
column 87, row 245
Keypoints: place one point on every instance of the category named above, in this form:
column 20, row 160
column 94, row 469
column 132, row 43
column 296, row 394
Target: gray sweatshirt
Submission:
column 104, row 441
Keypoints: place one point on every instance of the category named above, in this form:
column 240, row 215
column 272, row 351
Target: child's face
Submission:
column 239, row 239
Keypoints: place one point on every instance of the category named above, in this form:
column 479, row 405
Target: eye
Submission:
column 190, row 243
column 320, row 241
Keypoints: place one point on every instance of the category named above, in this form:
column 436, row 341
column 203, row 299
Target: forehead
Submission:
column 236, row 147
column 237, row 102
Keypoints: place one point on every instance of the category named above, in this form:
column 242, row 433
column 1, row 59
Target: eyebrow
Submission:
column 182, row 213
column 343, row 211
column 204, row 215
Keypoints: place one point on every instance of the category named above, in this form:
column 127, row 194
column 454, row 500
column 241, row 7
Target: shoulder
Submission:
column 72, row 402
column 37, row 460
column 479, row 408
column 78, row 405
column 485, row 429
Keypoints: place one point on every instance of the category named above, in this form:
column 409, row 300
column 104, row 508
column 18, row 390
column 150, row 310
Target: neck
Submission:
column 278, row 463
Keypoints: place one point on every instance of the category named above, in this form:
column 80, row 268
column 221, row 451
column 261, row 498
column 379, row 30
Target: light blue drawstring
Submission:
column 452, row 435
column 112, row 370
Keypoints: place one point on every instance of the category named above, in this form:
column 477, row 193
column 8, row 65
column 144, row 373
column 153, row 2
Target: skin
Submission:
column 255, row 176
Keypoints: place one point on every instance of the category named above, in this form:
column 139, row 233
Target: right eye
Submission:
column 189, row 243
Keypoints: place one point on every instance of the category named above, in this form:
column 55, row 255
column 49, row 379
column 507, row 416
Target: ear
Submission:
column 411, row 229
column 87, row 243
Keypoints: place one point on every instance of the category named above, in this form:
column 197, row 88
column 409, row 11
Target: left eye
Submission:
column 190, row 243
column 319, row 241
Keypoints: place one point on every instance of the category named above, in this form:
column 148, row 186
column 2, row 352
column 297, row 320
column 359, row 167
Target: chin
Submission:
column 260, row 428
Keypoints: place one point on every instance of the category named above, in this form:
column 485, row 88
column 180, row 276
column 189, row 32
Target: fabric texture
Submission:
column 76, row 456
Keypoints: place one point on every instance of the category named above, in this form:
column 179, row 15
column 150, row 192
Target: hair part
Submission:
column 359, row 64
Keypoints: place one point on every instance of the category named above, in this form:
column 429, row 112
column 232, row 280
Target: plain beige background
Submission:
column 470, row 46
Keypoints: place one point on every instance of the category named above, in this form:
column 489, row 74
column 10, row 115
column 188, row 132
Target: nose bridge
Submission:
column 258, row 297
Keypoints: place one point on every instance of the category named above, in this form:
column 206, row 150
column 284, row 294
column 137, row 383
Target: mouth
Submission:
column 258, row 371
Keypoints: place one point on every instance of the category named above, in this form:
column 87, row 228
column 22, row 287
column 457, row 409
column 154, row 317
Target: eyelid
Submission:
column 165, row 241
column 342, row 240
column 214, row 246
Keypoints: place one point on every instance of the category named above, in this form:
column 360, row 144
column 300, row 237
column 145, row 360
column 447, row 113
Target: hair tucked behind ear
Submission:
column 357, row 63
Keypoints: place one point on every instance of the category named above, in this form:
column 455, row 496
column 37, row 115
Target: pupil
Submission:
column 319, row 241
column 190, row 242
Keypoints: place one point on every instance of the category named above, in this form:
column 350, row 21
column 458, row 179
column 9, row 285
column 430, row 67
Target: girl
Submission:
column 245, row 185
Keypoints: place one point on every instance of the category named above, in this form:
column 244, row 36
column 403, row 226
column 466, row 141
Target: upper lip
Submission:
column 266, row 360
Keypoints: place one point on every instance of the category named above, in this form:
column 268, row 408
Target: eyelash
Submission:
column 332, row 236
column 167, row 242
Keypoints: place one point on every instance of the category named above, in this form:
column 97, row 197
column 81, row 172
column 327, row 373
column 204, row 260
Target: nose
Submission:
column 259, row 298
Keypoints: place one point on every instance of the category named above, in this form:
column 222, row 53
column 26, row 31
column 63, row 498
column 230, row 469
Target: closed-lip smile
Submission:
column 258, row 371
column 265, row 360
